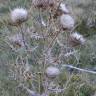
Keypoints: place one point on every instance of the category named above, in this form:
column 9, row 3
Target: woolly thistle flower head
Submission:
column 43, row 3
column 19, row 15
column 76, row 39
column 52, row 72
column 67, row 22
column 63, row 8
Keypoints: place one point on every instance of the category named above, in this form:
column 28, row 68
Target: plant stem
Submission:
column 23, row 38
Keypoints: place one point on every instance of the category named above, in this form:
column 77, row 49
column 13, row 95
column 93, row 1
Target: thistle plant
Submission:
column 47, row 51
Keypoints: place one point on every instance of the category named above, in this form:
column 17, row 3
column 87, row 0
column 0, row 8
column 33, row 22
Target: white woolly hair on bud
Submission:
column 19, row 15
column 63, row 8
column 67, row 22
column 77, row 38
column 52, row 72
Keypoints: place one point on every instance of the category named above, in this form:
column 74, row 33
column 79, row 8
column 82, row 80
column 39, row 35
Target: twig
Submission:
column 79, row 69
column 56, row 90
column 53, row 40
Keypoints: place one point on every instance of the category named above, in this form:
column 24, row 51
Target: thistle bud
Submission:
column 67, row 22
column 52, row 72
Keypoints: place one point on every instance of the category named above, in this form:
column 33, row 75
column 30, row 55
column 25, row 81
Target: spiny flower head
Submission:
column 16, row 40
column 77, row 39
column 63, row 8
column 52, row 72
column 43, row 3
column 67, row 22
column 19, row 15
